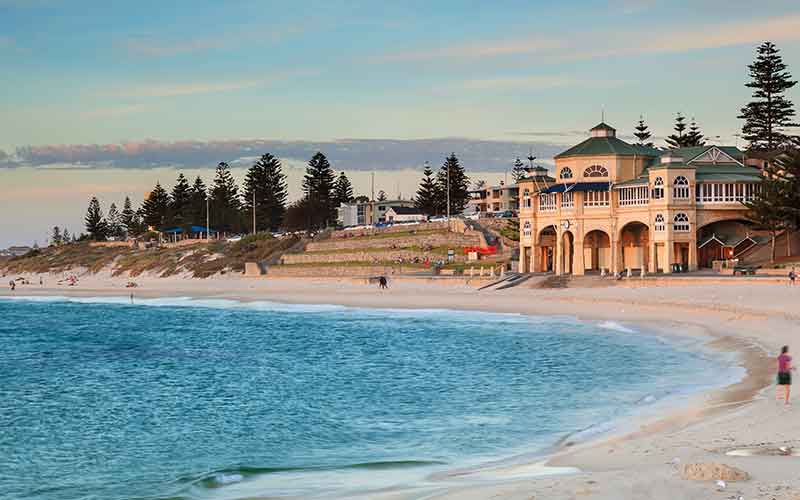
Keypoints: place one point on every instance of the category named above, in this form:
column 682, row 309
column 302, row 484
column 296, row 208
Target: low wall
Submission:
column 381, row 256
column 454, row 240
column 399, row 228
column 330, row 271
column 113, row 244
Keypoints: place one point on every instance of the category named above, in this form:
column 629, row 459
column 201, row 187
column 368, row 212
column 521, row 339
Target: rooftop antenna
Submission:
column 531, row 157
column 602, row 114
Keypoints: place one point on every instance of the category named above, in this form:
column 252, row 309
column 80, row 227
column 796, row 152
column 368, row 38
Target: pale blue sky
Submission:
column 107, row 72
column 529, row 73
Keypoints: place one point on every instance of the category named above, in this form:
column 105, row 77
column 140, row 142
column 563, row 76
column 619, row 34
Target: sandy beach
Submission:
column 645, row 460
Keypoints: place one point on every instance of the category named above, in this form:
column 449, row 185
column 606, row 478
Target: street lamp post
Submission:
column 208, row 222
column 448, row 196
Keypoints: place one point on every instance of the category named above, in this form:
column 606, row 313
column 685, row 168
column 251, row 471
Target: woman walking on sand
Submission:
column 784, row 374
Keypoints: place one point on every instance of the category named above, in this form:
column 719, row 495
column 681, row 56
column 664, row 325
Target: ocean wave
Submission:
column 225, row 477
column 614, row 326
column 272, row 306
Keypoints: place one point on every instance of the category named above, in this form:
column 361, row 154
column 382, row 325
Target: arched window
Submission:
column 658, row 188
column 680, row 189
column 659, row 222
column 526, row 229
column 681, row 223
column 526, row 198
column 566, row 173
column 595, row 171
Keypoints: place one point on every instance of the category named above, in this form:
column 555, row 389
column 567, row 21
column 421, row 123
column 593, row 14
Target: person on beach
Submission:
column 784, row 374
column 12, row 285
column 792, row 276
column 382, row 283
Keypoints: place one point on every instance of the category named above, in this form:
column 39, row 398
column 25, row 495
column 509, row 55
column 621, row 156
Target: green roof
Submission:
column 639, row 181
column 674, row 164
column 728, row 172
column 602, row 146
column 688, row 154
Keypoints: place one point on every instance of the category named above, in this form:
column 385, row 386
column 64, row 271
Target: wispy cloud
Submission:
column 784, row 28
column 184, row 89
column 537, row 82
column 111, row 112
column 474, row 50
column 149, row 47
column 599, row 44
column 550, row 133
column 159, row 46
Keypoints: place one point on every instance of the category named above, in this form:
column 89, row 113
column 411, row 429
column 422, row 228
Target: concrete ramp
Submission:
column 509, row 281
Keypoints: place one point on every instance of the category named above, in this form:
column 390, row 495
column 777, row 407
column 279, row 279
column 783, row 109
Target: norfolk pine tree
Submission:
column 518, row 172
column 643, row 133
column 678, row 139
column 155, row 208
column 428, row 196
column 225, row 203
column 265, row 180
column 180, row 203
column 318, row 189
column 459, row 186
column 96, row 226
column 343, row 189
column 770, row 113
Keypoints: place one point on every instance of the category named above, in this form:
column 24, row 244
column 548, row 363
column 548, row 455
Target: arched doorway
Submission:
column 597, row 250
column 723, row 240
column 634, row 241
column 567, row 252
column 546, row 250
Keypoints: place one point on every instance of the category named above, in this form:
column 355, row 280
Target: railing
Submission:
column 568, row 200
column 633, row 196
column 595, row 199
column 717, row 192
column 547, row 202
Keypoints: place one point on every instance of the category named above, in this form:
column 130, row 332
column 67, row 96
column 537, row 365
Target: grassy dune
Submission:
column 201, row 260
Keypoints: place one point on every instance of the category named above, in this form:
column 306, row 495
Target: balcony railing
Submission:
column 717, row 192
column 633, row 196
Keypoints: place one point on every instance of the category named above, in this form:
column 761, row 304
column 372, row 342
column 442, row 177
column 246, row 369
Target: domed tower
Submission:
column 603, row 130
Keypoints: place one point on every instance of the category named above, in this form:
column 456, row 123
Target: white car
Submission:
column 234, row 239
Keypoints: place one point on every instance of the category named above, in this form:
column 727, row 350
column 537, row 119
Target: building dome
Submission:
column 603, row 130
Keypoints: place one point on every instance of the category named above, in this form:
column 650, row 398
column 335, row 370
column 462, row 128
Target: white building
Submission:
column 368, row 213
column 405, row 214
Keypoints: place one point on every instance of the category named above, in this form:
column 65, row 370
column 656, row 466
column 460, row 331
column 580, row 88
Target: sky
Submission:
column 103, row 98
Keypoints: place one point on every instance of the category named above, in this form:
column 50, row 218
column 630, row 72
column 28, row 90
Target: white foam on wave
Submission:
column 223, row 479
column 614, row 326
column 271, row 306
column 212, row 303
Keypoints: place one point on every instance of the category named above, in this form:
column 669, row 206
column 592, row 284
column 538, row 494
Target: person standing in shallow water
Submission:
column 784, row 374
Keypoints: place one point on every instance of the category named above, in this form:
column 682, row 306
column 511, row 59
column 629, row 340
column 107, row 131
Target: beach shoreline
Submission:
column 724, row 316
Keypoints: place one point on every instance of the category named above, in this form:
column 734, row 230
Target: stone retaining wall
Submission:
column 454, row 240
column 399, row 228
column 381, row 256
column 330, row 271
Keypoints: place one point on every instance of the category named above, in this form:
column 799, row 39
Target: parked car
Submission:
column 234, row 239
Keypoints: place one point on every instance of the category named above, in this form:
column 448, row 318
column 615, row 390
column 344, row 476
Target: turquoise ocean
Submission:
column 216, row 399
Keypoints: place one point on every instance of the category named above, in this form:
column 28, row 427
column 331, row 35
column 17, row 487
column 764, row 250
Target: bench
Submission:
column 745, row 270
